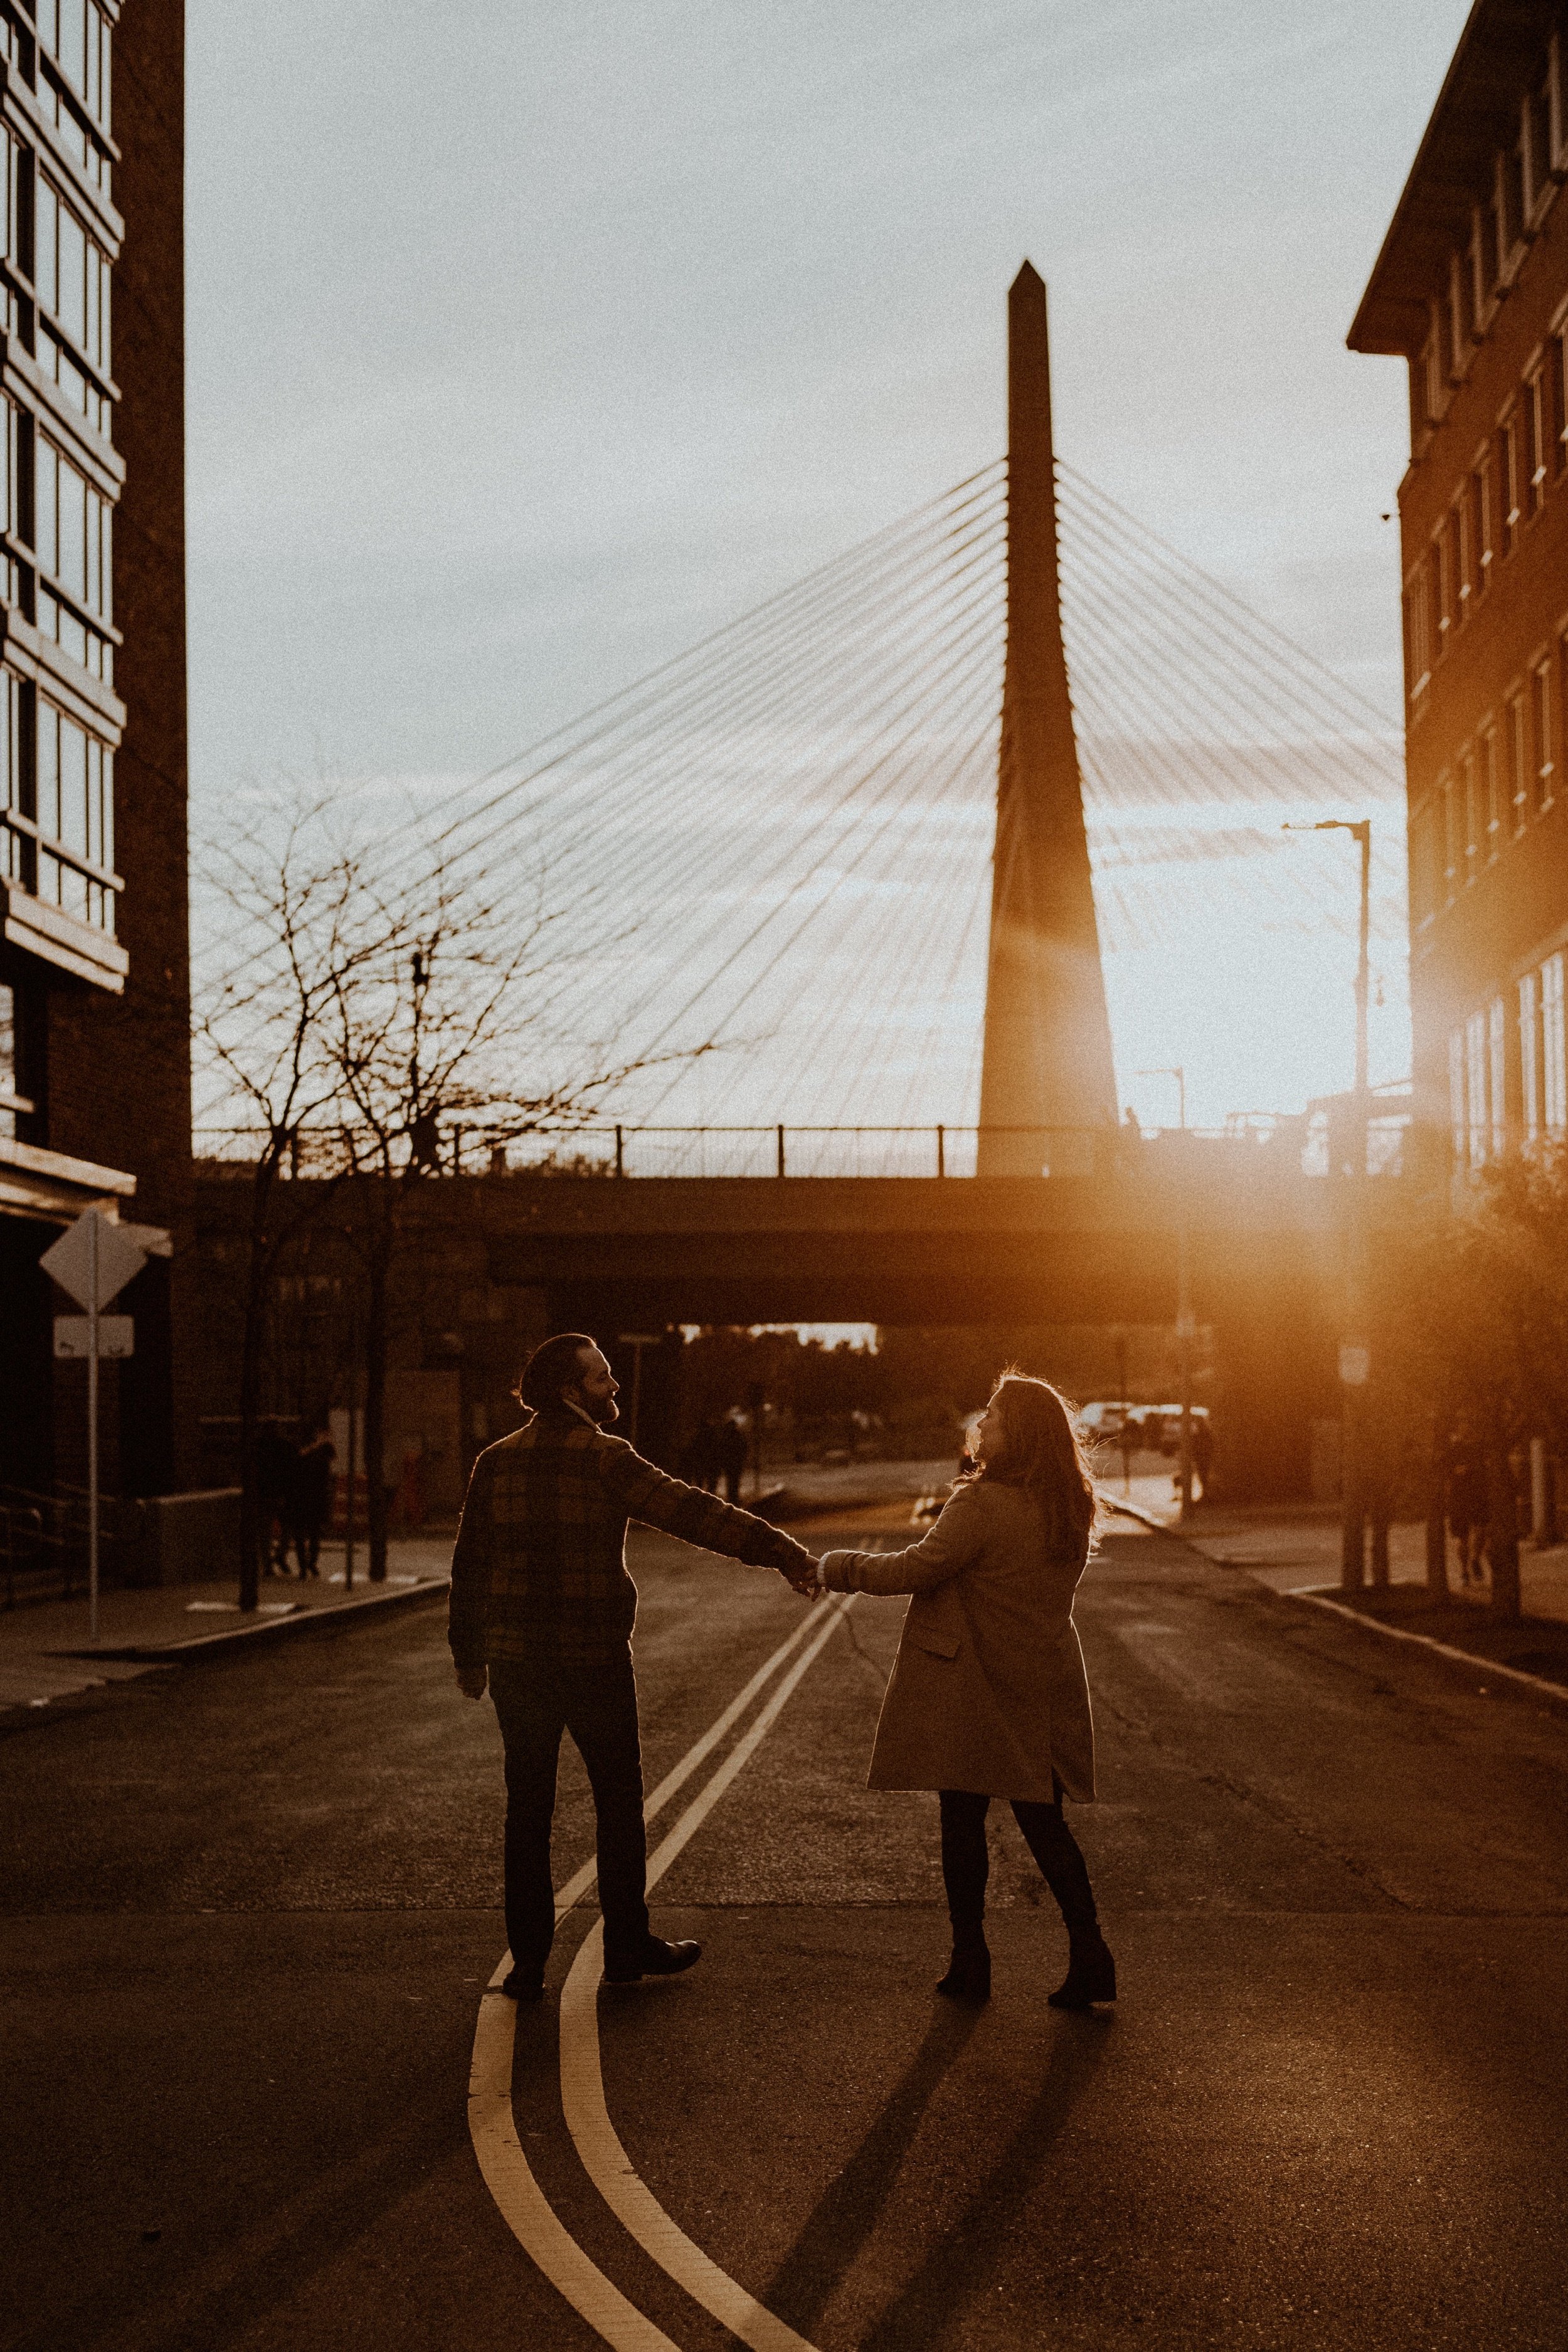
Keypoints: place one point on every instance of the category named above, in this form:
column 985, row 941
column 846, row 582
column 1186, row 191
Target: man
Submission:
column 542, row 1608
column 310, row 1499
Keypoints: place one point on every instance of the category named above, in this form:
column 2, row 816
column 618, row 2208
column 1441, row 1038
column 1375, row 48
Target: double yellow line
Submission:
column 492, row 2127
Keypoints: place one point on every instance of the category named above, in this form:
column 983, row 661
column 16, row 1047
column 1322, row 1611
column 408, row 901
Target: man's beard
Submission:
column 603, row 1410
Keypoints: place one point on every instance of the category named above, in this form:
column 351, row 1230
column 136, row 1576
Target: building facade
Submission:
column 94, row 973
column 1471, row 290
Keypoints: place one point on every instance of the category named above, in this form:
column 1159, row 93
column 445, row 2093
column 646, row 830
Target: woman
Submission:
column 988, row 1697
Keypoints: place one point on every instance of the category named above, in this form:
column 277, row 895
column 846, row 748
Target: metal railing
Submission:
column 1301, row 1145
column 44, row 1546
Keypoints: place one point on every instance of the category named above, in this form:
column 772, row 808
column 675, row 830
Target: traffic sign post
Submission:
column 94, row 1259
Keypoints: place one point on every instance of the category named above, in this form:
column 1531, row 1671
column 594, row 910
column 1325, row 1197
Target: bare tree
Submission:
column 371, row 1012
column 290, row 953
column 424, row 1036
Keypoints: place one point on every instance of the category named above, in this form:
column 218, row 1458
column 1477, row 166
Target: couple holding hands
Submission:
column 987, row 1698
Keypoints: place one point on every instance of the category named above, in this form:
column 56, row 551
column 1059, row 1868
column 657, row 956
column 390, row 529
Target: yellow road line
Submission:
column 581, row 2076
column 492, row 2127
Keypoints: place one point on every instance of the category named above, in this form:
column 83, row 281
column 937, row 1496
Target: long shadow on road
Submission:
column 845, row 2216
column 968, row 2253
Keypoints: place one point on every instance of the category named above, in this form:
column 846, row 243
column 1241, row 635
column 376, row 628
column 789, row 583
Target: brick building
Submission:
column 1471, row 290
column 94, row 978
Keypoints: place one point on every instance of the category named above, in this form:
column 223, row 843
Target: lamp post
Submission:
column 1355, row 1359
column 1184, row 1325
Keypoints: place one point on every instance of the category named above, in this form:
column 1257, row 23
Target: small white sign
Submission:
column 1355, row 1364
column 116, row 1336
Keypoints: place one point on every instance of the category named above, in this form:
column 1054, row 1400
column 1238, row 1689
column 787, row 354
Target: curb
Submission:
column 200, row 1646
column 1536, row 1684
column 1128, row 1510
column 1555, row 1694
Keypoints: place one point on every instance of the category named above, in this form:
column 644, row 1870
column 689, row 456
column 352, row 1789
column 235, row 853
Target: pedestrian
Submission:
column 1467, row 1498
column 310, row 1498
column 731, row 1453
column 1201, row 1443
column 988, row 1696
column 699, row 1464
column 275, row 1458
column 542, row 1609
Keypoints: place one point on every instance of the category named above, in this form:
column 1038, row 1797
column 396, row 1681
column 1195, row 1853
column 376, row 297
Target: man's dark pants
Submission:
column 595, row 1699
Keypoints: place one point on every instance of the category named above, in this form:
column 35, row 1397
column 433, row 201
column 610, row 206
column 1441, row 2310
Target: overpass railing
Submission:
column 1311, row 1145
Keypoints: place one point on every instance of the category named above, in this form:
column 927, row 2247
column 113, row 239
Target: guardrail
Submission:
column 1312, row 1144
column 42, row 1542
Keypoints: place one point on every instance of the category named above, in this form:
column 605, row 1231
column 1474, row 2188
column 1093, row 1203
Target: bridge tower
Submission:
column 1048, row 1059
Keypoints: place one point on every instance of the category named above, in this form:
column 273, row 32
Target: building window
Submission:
column 75, row 817
column 1540, row 732
column 1448, row 823
column 1418, row 635
column 19, row 858
column 1483, row 275
column 1553, row 1071
column 1556, row 380
column 1423, row 864
column 1534, row 437
column 1479, row 497
column 1538, row 137
column 1508, row 208
column 1457, row 1093
column 1460, row 315
column 72, row 277
column 1463, row 552
column 72, row 536
column 1497, row 1042
column 1517, row 762
column 77, row 37
column 1475, row 824
column 1445, row 586
column 1507, row 484
column 1491, row 794
column 1476, row 1088
column 1529, row 1055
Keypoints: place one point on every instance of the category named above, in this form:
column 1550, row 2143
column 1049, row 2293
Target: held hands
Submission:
column 798, row 1569
column 472, row 1681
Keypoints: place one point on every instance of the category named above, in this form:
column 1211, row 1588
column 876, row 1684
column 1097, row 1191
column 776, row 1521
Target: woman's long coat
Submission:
column 988, row 1690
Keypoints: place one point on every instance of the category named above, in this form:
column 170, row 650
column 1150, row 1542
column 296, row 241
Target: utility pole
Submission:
column 1186, row 1326
column 1355, row 1355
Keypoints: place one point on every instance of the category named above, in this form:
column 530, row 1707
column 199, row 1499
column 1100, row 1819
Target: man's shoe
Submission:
column 656, row 1958
column 521, row 1984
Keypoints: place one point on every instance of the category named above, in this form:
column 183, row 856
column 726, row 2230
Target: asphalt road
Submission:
column 249, row 1909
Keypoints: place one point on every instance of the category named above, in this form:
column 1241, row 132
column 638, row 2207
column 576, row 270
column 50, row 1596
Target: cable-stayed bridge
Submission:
column 771, row 859
column 841, row 888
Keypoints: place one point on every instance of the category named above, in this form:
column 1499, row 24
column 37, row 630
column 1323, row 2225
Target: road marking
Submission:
column 605, row 2160
column 492, row 2127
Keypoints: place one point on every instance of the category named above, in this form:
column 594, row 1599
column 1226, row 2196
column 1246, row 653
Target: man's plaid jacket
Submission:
column 540, row 1564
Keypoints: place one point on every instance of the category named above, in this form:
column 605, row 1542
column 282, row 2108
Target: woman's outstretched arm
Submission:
column 952, row 1544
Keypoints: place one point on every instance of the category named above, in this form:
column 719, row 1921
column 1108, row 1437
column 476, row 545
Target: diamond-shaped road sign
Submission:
column 120, row 1252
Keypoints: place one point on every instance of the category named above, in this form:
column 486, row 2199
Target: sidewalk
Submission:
column 1296, row 1550
column 46, row 1652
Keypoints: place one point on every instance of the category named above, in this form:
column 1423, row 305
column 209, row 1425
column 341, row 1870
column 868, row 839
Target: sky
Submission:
column 526, row 346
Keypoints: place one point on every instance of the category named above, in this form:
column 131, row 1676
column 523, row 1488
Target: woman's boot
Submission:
column 1090, row 1976
column 1091, row 1971
column 968, row 1975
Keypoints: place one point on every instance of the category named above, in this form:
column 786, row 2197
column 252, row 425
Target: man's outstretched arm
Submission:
column 650, row 1495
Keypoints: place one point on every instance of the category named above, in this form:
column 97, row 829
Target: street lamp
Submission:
column 1354, row 1355
column 1184, row 1325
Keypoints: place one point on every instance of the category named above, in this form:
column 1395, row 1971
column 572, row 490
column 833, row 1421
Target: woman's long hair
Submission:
column 1041, row 1450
